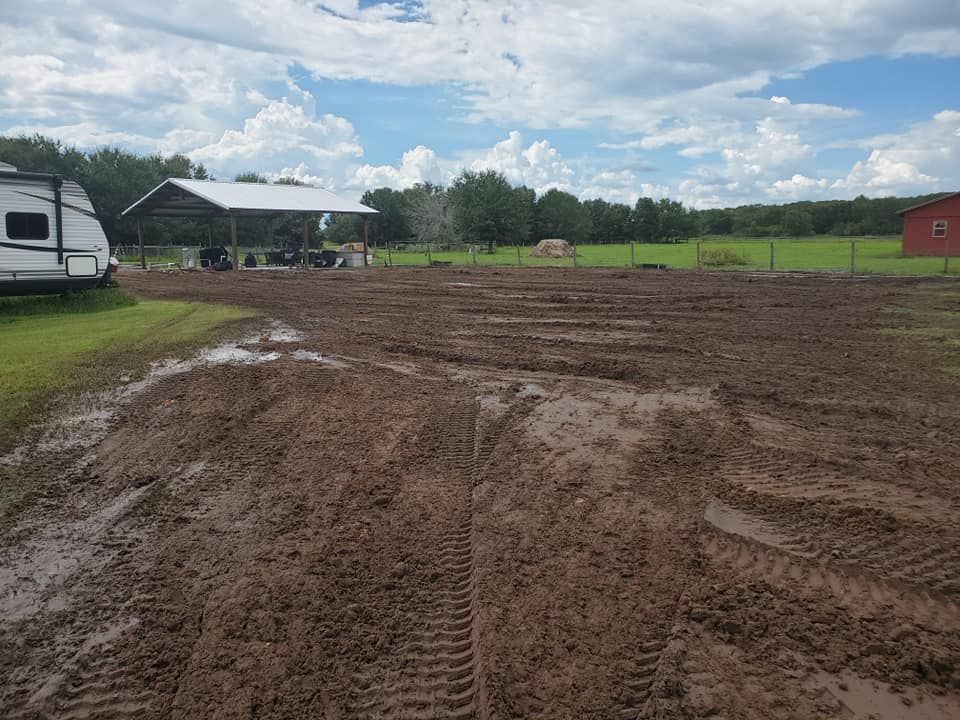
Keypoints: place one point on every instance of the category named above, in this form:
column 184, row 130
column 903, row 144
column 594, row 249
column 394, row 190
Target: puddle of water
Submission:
column 28, row 570
column 234, row 355
column 276, row 332
column 307, row 355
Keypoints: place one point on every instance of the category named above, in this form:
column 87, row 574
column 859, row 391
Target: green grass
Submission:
column 49, row 345
column 822, row 253
column 84, row 301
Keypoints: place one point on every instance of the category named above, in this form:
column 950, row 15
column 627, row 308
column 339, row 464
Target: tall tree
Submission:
column 485, row 208
column 561, row 215
column 646, row 221
column 428, row 213
column 390, row 224
column 676, row 222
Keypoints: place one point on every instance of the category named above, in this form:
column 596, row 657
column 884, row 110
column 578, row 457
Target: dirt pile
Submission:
column 552, row 248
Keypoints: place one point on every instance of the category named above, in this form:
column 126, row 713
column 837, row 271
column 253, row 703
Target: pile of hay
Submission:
column 553, row 248
column 351, row 247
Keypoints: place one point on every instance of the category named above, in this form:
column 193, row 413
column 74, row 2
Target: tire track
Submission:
column 786, row 566
column 439, row 676
column 755, row 468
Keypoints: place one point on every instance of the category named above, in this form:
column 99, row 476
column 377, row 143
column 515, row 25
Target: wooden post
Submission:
column 210, row 233
column 365, row 244
column 389, row 256
column 233, row 244
column 946, row 255
column 771, row 256
column 853, row 257
column 632, row 263
column 143, row 254
column 429, row 258
column 518, row 256
column 699, row 263
column 306, row 243
column 474, row 254
column 574, row 253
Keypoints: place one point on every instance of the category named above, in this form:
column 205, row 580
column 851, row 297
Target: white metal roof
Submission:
column 178, row 196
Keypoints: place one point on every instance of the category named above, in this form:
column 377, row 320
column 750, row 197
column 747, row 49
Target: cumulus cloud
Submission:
column 537, row 165
column 284, row 134
column 204, row 77
column 417, row 165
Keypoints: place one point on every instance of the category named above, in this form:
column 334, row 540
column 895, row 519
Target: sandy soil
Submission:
column 504, row 494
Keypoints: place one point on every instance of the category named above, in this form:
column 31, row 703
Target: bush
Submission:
column 719, row 257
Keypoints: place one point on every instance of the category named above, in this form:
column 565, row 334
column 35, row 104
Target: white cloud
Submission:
column 797, row 187
column 284, row 134
column 687, row 78
column 923, row 159
column 418, row 165
column 537, row 165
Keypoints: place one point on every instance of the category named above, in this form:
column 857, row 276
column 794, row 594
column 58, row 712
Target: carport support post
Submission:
column 306, row 243
column 233, row 243
column 365, row 241
column 143, row 254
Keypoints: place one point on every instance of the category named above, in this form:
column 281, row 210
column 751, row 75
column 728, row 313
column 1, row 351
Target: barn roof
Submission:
column 178, row 197
column 929, row 202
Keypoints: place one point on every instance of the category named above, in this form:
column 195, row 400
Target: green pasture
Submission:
column 819, row 254
column 826, row 254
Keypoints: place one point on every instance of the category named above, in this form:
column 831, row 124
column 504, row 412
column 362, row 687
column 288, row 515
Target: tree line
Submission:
column 478, row 208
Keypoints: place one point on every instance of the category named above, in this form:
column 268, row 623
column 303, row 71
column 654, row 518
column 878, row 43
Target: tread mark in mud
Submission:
column 92, row 686
column 636, row 689
column 439, row 677
column 853, row 587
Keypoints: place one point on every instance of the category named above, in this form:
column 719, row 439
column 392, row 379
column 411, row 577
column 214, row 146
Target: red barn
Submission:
column 933, row 227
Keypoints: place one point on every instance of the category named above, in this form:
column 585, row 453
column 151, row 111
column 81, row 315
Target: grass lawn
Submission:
column 823, row 253
column 85, row 341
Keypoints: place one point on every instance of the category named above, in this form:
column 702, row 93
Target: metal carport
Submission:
column 178, row 197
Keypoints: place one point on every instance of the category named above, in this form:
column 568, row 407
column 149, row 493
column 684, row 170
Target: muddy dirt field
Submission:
column 438, row 493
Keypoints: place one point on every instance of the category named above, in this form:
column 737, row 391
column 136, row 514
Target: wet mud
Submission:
column 501, row 494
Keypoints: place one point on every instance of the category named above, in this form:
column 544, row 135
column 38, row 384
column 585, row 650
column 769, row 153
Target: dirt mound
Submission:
column 553, row 248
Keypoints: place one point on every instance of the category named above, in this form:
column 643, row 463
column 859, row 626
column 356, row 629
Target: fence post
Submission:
column 699, row 264
column 771, row 256
column 853, row 257
column 389, row 256
column 429, row 257
column 574, row 253
column 632, row 263
column 518, row 256
column 474, row 255
column 946, row 255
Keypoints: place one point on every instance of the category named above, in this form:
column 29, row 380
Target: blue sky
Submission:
column 715, row 104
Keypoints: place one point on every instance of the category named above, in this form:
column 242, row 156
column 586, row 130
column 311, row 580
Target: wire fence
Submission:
column 821, row 254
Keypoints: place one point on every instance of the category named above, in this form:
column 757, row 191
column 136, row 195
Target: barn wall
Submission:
column 918, row 229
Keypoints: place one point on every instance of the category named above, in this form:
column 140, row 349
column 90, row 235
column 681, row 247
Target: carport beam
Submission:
column 143, row 253
column 306, row 243
column 365, row 244
column 233, row 243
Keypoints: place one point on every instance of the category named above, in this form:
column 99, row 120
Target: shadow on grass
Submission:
column 82, row 301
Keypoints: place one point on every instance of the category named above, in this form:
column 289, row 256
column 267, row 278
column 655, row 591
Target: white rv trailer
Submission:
column 50, row 238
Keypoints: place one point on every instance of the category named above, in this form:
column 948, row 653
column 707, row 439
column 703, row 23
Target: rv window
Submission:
column 940, row 228
column 27, row 226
